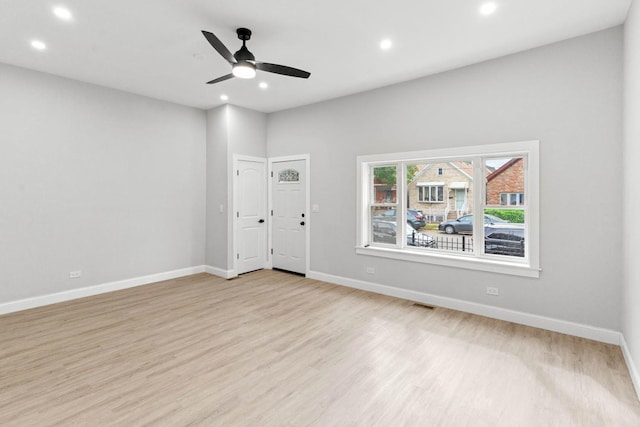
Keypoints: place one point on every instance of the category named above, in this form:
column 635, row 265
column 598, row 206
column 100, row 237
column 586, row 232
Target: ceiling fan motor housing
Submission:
column 244, row 55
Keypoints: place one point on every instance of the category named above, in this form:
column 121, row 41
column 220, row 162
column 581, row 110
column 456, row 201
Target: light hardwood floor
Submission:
column 273, row 349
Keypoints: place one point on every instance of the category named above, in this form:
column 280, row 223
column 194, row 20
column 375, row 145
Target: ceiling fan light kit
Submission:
column 244, row 70
column 243, row 63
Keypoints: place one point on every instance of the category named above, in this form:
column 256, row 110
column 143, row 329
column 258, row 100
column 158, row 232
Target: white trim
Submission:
column 556, row 325
column 458, row 260
column 529, row 265
column 225, row 274
column 39, row 301
column 631, row 366
column 307, row 160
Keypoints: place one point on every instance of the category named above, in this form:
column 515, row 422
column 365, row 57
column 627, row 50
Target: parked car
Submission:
column 504, row 239
column 386, row 232
column 415, row 218
column 464, row 224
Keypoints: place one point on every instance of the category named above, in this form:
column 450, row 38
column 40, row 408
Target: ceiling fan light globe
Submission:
column 244, row 70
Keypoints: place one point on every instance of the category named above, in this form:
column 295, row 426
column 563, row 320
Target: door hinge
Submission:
column 271, row 174
column 238, row 172
column 271, row 212
column 237, row 214
column 271, row 251
column 237, row 256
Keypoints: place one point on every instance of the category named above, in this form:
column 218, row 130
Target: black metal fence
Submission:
column 459, row 243
column 463, row 243
column 509, row 245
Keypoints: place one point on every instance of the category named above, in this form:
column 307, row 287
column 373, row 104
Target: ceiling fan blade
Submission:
column 281, row 69
column 219, row 46
column 220, row 79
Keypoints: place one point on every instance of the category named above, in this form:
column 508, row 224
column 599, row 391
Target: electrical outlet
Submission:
column 371, row 270
column 492, row 291
column 75, row 274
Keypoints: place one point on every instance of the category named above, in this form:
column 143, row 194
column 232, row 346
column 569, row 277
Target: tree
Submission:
column 387, row 174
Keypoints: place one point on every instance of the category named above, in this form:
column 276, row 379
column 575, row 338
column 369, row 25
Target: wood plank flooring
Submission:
column 273, row 349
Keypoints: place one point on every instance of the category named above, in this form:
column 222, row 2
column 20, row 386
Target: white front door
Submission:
column 290, row 218
column 460, row 198
column 251, row 237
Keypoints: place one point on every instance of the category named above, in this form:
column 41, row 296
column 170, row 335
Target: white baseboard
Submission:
column 225, row 274
column 570, row 328
column 633, row 372
column 27, row 303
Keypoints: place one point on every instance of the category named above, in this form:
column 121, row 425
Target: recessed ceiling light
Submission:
column 38, row 45
column 263, row 85
column 385, row 44
column 488, row 8
column 224, row 97
column 62, row 13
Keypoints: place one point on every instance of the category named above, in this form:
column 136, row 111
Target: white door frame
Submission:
column 307, row 207
column 234, row 208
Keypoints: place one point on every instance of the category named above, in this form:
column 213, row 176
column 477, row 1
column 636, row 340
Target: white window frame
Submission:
column 528, row 266
column 420, row 190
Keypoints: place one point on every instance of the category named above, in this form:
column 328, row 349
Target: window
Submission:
column 431, row 193
column 512, row 199
column 289, row 175
column 491, row 180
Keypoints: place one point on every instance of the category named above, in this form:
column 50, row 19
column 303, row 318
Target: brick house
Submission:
column 442, row 190
column 383, row 193
column 505, row 185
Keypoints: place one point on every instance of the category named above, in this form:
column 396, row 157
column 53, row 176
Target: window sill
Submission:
column 471, row 263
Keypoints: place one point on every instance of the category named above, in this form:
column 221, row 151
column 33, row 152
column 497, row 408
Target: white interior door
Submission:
column 289, row 220
column 251, row 236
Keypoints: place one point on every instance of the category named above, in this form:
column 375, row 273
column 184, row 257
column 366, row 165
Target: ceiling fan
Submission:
column 244, row 63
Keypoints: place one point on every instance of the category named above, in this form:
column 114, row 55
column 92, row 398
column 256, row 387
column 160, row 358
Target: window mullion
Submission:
column 479, row 198
column 401, row 209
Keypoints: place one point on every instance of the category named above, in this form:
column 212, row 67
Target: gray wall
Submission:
column 567, row 95
column 231, row 130
column 217, row 185
column 631, row 200
column 96, row 180
column 247, row 132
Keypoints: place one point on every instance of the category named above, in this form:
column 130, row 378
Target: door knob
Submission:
column 301, row 222
column 261, row 221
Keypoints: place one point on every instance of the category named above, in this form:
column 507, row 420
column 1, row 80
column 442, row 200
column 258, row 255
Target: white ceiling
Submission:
column 155, row 47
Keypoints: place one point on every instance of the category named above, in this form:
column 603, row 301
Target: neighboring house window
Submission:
column 440, row 171
column 496, row 233
column 431, row 193
column 512, row 199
